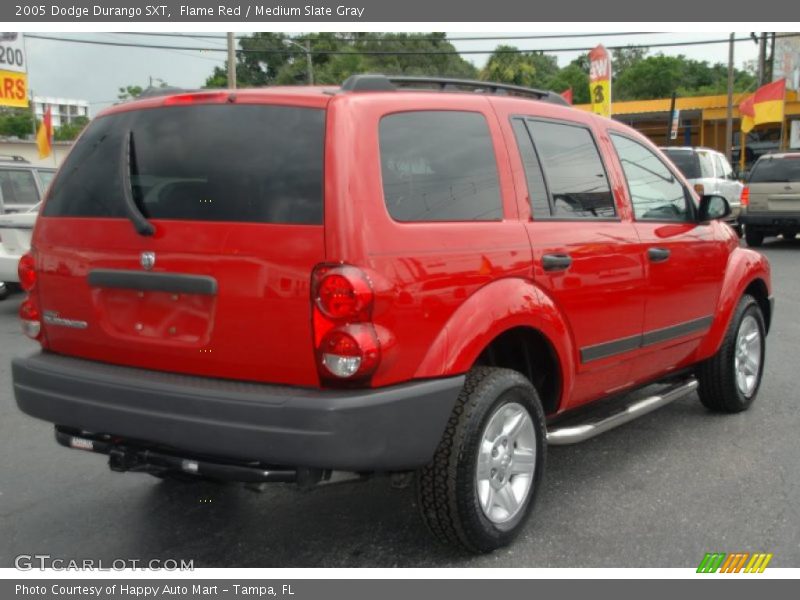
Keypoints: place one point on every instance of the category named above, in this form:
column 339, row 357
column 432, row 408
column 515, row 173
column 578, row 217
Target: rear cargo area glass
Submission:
column 207, row 162
column 686, row 161
column 776, row 170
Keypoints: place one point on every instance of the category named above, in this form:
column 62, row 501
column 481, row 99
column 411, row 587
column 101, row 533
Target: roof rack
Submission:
column 14, row 158
column 389, row 83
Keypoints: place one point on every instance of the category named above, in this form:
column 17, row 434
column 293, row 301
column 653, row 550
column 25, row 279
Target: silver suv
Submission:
column 22, row 184
column 772, row 199
column 710, row 173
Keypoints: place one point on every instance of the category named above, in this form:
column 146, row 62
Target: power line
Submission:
column 418, row 39
column 399, row 52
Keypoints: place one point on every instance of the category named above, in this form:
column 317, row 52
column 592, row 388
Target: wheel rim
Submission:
column 748, row 356
column 506, row 463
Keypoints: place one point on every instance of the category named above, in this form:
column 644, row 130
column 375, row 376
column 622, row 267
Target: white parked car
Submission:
column 15, row 240
column 710, row 173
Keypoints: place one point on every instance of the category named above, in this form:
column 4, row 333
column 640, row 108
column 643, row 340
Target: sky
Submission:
column 94, row 73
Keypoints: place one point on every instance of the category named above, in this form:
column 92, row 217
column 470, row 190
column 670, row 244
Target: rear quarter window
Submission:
column 246, row 163
column 686, row 161
column 439, row 166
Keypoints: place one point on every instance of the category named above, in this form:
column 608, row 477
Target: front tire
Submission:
column 481, row 485
column 753, row 238
column 729, row 381
column 3, row 291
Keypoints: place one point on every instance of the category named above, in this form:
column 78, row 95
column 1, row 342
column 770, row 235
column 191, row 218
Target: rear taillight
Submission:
column 345, row 340
column 27, row 272
column 744, row 199
column 700, row 189
column 29, row 313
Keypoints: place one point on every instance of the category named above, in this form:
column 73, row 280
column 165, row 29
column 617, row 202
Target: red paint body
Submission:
column 442, row 291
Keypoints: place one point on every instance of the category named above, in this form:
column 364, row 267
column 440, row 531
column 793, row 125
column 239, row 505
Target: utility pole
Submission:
column 729, row 114
column 762, row 59
column 231, row 61
column 309, row 63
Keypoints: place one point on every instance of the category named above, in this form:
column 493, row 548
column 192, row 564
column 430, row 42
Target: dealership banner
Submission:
column 600, row 81
column 13, row 70
column 21, row 11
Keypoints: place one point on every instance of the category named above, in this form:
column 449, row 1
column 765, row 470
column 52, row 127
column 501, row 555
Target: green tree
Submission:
column 129, row 92
column 69, row 131
column 16, row 122
column 571, row 76
column 272, row 59
column 529, row 69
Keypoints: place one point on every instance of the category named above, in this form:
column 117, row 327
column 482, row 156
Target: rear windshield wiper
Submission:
column 142, row 225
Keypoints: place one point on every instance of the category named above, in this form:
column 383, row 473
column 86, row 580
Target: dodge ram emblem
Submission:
column 147, row 260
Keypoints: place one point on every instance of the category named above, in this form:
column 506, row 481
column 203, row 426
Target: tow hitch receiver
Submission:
column 124, row 455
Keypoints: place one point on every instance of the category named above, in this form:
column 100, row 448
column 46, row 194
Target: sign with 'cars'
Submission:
column 13, row 70
column 600, row 81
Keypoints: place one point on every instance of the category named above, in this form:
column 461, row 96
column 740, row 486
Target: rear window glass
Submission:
column 686, row 161
column 439, row 166
column 46, row 177
column 212, row 162
column 776, row 170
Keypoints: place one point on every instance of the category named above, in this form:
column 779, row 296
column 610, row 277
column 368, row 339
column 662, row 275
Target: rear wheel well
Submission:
column 758, row 290
column 529, row 352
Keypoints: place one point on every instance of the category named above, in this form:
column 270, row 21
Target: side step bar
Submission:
column 574, row 430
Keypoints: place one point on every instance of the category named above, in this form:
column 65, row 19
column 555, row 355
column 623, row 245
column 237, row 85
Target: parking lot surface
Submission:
column 658, row 492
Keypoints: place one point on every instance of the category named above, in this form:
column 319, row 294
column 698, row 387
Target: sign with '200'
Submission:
column 13, row 70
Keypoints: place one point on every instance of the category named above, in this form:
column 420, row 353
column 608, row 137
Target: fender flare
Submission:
column 492, row 310
column 744, row 267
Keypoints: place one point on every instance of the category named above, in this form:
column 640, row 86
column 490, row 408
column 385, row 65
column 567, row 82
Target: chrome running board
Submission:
column 573, row 429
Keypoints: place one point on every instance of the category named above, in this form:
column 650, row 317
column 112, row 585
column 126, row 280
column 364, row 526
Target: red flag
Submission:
column 44, row 137
column 748, row 113
column 567, row 95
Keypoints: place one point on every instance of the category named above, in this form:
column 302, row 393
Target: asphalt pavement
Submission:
column 658, row 492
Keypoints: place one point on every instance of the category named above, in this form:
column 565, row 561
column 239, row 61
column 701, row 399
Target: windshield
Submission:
column 207, row 162
column 686, row 161
column 776, row 170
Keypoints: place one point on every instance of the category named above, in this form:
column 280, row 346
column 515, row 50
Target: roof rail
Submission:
column 14, row 158
column 389, row 83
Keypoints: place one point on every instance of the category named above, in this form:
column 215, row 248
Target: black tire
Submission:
column 718, row 389
column 753, row 238
column 4, row 292
column 447, row 489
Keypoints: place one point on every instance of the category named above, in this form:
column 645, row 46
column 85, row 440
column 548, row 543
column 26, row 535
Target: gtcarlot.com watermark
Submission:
column 43, row 562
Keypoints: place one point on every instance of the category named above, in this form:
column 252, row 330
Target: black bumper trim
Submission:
column 391, row 428
column 771, row 220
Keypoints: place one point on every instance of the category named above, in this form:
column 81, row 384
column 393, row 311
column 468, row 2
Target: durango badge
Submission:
column 147, row 260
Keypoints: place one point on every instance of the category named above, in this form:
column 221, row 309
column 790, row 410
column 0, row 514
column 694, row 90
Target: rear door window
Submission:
column 439, row 166
column 776, row 170
column 207, row 162
column 706, row 165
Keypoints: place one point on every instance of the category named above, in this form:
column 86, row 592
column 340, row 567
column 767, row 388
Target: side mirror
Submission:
column 713, row 207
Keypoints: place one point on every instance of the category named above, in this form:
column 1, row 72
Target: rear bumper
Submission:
column 771, row 220
column 392, row 428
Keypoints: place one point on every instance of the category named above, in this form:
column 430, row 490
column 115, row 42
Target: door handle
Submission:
column 556, row 262
column 658, row 254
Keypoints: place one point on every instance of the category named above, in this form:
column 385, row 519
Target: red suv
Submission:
column 396, row 275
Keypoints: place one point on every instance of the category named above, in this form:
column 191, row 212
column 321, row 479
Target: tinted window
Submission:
column 573, row 170
column 686, row 161
column 776, row 170
column 655, row 192
column 537, row 192
column 18, row 187
column 213, row 162
column 439, row 166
